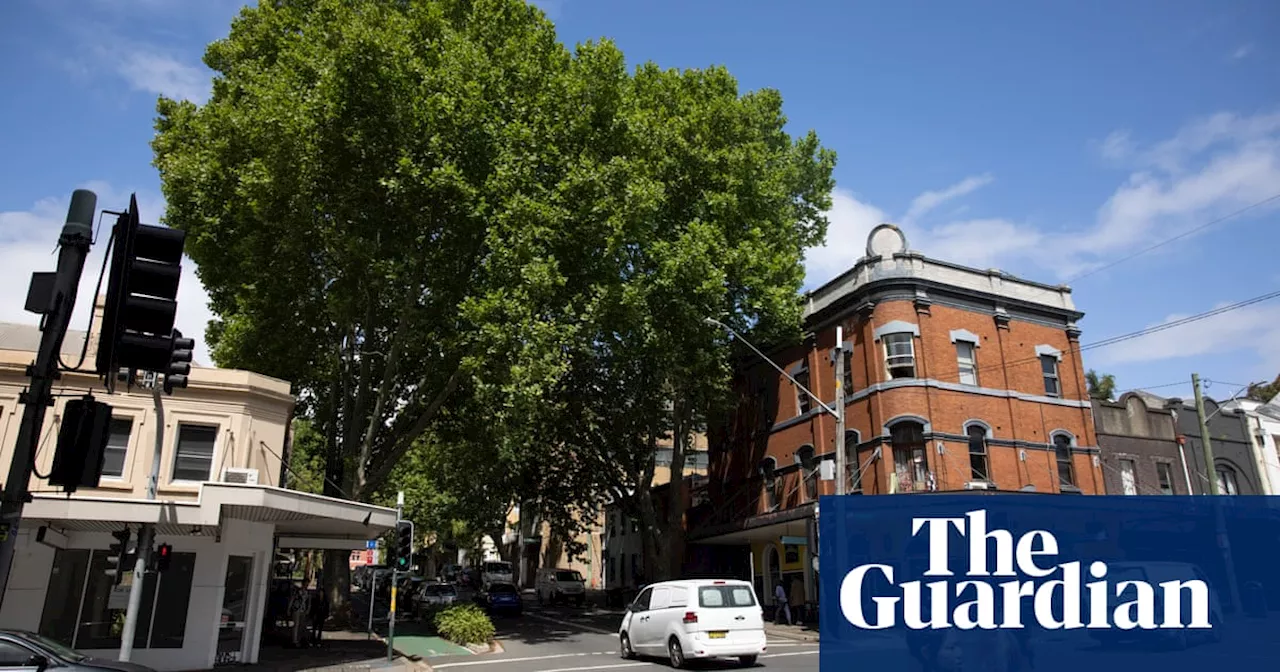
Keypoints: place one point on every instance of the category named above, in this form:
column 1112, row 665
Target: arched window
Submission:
column 1227, row 483
column 979, row 464
column 772, row 483
column 907, row 438
column 852, row 483
column 1062, row 443
column 809, row 471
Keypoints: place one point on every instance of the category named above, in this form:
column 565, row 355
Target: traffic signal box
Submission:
column 404, row 546
column 117, row 556
column 82, row 444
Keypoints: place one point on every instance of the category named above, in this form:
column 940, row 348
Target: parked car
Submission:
column 496, row 571
column 688, row 619
column 437, row 595
column 560, row 585
column 45, row 653
column 501, row 598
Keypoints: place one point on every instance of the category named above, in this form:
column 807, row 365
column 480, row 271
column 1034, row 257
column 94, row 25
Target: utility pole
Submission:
column 146, row 535
column 842, row 485
column 395, row 583
column 52, row 295
column 1212, row 475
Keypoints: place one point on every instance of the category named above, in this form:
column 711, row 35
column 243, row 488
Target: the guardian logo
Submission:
column 1032, row 555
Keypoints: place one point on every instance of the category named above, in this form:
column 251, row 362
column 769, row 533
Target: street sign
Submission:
column 372, row 544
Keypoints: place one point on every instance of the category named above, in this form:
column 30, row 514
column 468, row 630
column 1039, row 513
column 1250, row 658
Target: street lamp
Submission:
column 837, row 412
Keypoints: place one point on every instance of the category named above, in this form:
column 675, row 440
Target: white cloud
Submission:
column 1241, row 51
column 552, row 8
column 851, row 220
column 1117, row 146
column 28, row 240
column 161, row 74
column 929, row 200
column 1253, row 328
column 981, row 243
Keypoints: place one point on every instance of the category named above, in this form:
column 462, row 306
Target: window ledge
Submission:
column 181, row 487
column 114, row 484
column 1070, row 490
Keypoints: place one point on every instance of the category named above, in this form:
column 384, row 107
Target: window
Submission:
column 772, row 484
column 809, row 471
column 851, row 465
column 802, row 398
column 1062, row 451
column 117, row 447
column 979, row 469
column 1128, row 477
column 1227, row 481
column 712, row 597
column 908, row 456
column 847, row 354
column 967, row 360
column 194, row 458
column 1049, row 367
column 1164, row 473
column 900, row 355
column 14, row 655
column 642, row 600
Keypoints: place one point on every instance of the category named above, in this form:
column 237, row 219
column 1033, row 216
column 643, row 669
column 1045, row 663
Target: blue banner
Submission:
column 1015, row 583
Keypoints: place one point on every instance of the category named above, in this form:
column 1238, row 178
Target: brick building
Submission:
column 957, row 379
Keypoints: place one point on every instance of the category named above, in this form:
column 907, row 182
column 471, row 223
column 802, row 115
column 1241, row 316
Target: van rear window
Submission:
column 725, row 596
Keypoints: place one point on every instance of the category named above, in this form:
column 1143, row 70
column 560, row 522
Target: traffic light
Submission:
column 404, row 546
column 141, row 300
column 117, row 554
column 82, row 444
column 180, row 354
column 163, row 556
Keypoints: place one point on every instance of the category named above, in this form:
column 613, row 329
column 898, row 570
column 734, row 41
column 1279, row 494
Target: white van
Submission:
column 561, row 585
column 701, row 618
column 496, row 571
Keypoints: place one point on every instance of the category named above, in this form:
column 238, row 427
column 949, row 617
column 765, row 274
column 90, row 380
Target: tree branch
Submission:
column 388, row 374
column 385, row 462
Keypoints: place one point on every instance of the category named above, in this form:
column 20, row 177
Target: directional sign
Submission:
column 371, row 544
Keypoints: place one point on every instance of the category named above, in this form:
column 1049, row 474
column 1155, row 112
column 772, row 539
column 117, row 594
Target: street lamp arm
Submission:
column 772, row 363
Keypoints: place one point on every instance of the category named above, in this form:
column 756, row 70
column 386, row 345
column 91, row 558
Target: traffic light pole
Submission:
column 395, row 583
column 146, row 536
column 73, row 249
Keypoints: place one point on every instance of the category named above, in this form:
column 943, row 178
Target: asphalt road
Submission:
column 571, row 639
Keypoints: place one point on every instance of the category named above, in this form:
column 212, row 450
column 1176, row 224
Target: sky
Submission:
column 1050, row 140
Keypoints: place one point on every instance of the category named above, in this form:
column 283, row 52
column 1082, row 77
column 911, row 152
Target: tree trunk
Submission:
column 673, row 527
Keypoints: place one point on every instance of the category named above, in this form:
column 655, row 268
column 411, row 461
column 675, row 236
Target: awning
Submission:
column 328, row 522
column 767, row 527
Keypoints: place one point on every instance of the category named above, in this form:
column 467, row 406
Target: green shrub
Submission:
column 464, row 624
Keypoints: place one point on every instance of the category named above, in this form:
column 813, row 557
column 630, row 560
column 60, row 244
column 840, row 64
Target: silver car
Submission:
column 40, row 653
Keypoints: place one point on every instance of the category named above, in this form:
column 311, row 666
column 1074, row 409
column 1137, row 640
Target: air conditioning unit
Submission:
column 979, row 485
column 242, row 476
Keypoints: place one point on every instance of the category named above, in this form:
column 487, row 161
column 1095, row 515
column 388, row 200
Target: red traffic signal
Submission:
column 164, row 554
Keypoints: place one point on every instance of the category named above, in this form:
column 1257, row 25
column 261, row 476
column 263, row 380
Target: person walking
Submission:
column 319, row 613
column 780, row 601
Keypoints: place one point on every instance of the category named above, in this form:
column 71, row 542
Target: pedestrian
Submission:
column 780, row 601
column 319, row 613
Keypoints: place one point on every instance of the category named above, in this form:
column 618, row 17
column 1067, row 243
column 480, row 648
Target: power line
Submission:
column 1149, row 330
column 1178, row 237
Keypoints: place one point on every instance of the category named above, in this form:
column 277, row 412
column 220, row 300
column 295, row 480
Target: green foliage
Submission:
column 464, row 624
column 1264, row 391
column 1100, row 386
column 306, row 458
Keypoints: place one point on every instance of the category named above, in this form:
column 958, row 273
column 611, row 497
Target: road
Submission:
column 571, row 639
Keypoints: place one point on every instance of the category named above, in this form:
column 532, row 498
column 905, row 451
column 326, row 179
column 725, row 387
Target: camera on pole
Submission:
column 141, row 301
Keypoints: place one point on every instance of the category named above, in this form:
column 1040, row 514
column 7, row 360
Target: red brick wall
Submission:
column 1006, row 360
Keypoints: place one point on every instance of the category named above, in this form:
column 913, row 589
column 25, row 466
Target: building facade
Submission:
column 1141, row 454
column 223, row 446
column 1263, row 424
column 1235, row 465
column 955, row 379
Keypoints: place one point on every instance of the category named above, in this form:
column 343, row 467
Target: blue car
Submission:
column 502, row 598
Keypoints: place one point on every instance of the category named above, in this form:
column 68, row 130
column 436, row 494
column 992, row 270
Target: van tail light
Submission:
column 690, row 617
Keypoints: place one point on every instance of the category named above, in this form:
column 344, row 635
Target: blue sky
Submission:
column 1046, row 139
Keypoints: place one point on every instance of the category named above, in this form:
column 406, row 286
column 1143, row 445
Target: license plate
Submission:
column 717, row 635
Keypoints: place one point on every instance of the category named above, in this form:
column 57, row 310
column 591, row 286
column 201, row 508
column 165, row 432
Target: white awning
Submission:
column 295, row 514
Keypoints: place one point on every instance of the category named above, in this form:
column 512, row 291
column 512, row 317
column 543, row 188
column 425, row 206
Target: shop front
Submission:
column 206, row 609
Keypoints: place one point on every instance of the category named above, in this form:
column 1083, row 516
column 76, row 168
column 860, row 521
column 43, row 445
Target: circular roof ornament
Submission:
column 886, row 240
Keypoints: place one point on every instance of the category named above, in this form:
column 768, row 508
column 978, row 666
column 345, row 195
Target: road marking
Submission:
column 791, row 653
column 571, row 624
column 598, row 667
column 523, row 660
